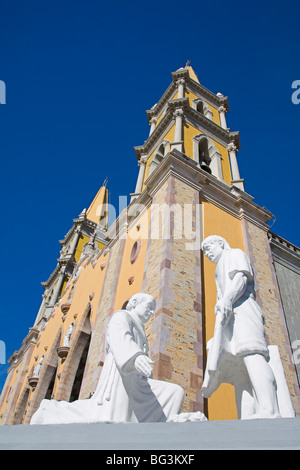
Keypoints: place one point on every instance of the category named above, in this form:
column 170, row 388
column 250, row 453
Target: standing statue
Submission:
column 68, row 335
column 238, row 353
column 37, row 369
column 125, row 392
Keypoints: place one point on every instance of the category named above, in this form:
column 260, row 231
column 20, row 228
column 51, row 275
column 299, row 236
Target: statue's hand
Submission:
column 142, row 365
column 224, row 309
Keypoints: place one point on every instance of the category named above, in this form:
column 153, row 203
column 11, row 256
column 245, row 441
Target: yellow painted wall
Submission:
column 225, row 162
column 162, row 113
column 170, row 137
column 94, row 212
column 218, row 222
column 189, row 133
column 124, row 289
column 83, row 239
column 89, row 281
column 215, row 113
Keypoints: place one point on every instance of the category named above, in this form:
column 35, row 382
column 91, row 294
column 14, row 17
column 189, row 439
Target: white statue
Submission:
column 238, row 353
column 37, row 369
column 125, row 392
column 68, row 335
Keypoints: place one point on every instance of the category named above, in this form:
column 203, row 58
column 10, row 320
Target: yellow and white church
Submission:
column 188, row 187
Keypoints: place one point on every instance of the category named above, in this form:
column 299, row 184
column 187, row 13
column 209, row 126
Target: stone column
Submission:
column 180, row 85
column 72, row 248
column 153, row 124
column 58, row 287
column 42, row 308
column 236, row 179
column 222, row 111
column 178, row 136
column 140, row 180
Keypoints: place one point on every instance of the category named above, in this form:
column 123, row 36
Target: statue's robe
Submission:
column 122, row 394
column 243, row 334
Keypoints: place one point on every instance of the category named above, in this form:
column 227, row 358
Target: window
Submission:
column 202, row 108
column 135, row 251
column 159, row 155
column 204, row 159
column 207, row 156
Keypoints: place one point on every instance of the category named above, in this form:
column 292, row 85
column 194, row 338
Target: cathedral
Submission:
column 188, row 187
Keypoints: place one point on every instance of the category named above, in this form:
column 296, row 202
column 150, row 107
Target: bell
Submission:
column 205, row 167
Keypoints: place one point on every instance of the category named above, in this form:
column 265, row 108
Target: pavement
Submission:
column 281, row 434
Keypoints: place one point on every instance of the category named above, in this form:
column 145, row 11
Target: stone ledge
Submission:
column 256, row 434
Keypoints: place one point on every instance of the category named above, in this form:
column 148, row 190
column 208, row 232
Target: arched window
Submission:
column 207, row 156
column 80, row 371
column 204, row 158
column 159, row 155
column 21, row 408
column 47, row 377
column 202, row 108
column 72, row 376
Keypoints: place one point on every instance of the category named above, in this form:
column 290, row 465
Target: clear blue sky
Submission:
column 79, row 77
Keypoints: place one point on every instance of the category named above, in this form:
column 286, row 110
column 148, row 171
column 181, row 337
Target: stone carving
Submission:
column 238, row 353
column 126, row 391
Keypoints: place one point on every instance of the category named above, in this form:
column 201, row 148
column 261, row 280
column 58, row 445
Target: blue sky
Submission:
column 79, row 77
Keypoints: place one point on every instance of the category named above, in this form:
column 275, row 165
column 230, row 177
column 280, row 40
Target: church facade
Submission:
column 188, row 188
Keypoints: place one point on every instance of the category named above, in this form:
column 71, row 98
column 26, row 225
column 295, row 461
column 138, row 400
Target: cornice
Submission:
column 156, row 110
column 216, row 100
column 17, row 356
column 285, row 252
column 65, row 261
column 201, row 122
column 229, row 198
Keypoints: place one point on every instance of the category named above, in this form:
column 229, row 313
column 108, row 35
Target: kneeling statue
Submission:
column 126, row 391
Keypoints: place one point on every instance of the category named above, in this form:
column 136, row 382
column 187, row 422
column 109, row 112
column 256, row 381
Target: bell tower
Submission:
column 191, row 119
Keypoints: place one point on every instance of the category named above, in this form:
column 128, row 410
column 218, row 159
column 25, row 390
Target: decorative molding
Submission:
column 229, row 198
column 199, row 121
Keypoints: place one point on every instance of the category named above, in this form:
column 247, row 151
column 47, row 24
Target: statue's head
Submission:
column 142, row 306
column 213, row 247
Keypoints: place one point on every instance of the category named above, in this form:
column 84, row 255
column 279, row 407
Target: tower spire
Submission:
column 97, row 212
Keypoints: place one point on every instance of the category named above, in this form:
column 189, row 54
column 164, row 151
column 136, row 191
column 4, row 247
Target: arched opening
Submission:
column 200, row 107
column 21, row 409
column 73, row 373
column 159, row 156
column 135, row 251
column 204, row 159
column 207, row 155
column 47, row 377
column 80, row 372
column 52, row 375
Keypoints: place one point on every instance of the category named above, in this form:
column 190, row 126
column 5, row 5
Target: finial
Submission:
column 188, row 63
column 105, row 182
